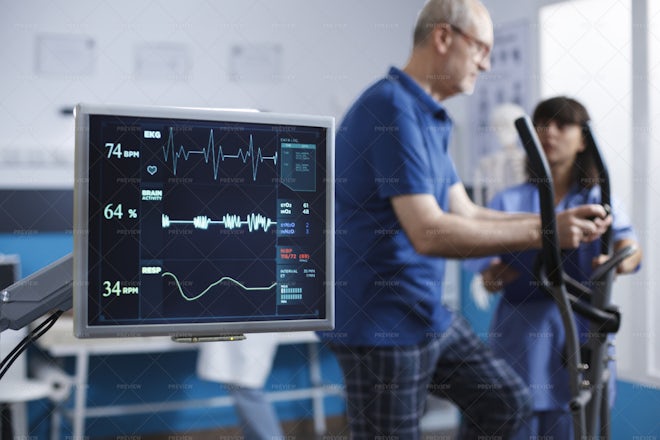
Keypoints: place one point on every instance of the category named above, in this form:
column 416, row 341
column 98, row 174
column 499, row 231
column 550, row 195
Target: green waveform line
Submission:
column 238, row 283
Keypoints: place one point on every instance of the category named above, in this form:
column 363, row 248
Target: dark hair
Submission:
column 567, row 111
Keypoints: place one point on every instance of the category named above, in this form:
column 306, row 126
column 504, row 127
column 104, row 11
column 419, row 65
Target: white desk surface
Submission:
column 60, row 341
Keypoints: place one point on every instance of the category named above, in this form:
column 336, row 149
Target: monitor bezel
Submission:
column 82, row 329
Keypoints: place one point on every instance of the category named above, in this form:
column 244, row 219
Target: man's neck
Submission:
column 422, row 73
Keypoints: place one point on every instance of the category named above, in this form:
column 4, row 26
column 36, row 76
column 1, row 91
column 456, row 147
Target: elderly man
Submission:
column 401, row 210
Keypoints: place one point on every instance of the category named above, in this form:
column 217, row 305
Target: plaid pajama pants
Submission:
column 386, row 387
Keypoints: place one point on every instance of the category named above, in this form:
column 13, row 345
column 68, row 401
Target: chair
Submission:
column 16, row 389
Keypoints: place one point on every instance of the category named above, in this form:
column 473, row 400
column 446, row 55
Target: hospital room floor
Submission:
column 298, row 430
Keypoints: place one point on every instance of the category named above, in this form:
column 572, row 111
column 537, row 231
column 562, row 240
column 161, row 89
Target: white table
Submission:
column 59, row 342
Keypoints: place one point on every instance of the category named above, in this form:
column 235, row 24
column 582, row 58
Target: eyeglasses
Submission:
column 481, row 49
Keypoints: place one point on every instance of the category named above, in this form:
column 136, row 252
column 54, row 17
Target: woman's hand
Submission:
column 630, row 264
column 497, row 275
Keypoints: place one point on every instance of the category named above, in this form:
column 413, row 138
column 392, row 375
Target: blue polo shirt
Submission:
column 392, row 141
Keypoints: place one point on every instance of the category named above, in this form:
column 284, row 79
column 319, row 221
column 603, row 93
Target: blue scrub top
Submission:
column 526, row 329
column 392, row 141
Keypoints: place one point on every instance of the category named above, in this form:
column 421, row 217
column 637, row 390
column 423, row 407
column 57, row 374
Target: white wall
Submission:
column 646, row 142
column 318, row 56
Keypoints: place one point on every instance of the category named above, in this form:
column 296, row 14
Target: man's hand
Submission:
column 582, row 224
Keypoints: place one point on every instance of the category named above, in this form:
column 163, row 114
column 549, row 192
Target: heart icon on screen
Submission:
column 151, row 169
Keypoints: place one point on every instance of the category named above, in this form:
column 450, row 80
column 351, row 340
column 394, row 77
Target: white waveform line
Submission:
column 229, row 221
column 253, row 222
column 199, row 295
column 201, row 222
column 209, row 153
column 167, row 222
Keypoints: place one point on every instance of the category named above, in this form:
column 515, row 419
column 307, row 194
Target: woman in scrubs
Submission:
column 526, row 329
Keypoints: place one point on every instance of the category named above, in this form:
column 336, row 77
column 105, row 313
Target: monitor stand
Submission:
column 48, row 289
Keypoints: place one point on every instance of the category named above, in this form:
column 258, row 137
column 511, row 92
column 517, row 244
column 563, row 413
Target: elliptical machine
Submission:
column 587, row 361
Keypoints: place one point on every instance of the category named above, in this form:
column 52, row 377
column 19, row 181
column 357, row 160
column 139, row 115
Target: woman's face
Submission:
column 561, row 142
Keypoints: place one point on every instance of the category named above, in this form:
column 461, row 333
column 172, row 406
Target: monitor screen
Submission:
column 202, row 222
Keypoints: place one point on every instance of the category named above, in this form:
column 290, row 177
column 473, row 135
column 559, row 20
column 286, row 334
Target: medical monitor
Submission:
column 202, row 222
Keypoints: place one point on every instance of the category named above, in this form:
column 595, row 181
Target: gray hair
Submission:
column 456, row 12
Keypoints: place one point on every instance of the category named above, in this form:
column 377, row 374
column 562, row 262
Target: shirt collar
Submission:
column 575, row 195
column 424, row 99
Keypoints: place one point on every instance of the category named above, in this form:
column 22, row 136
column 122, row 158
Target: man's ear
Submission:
column 441, row 37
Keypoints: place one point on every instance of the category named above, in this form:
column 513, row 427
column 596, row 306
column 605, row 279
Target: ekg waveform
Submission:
column 215, row 154
column 229, row 221
column 212, row 285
